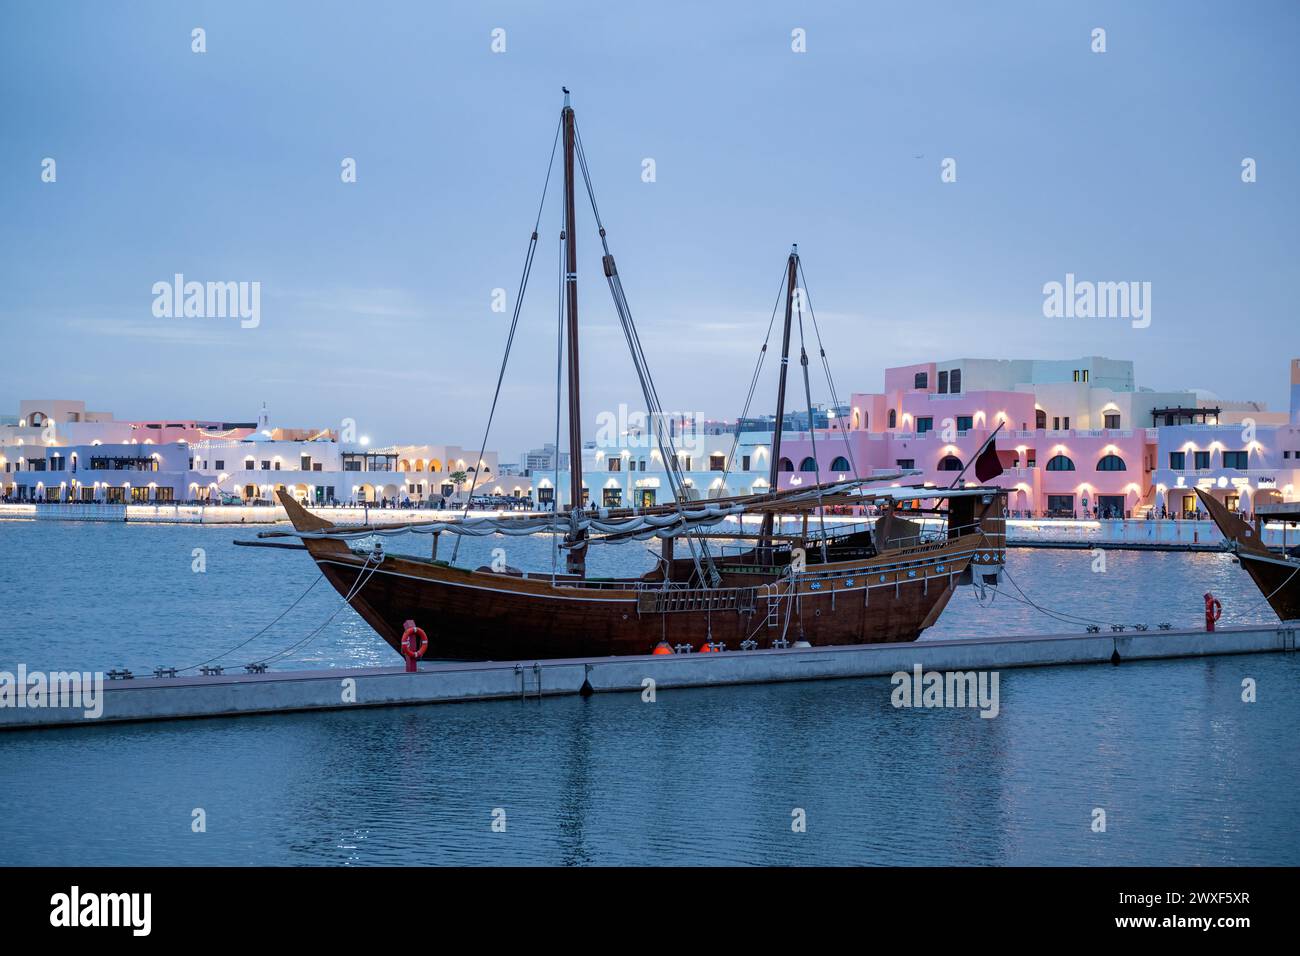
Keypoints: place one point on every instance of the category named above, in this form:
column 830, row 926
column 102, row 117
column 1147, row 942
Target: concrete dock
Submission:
column 232, row 695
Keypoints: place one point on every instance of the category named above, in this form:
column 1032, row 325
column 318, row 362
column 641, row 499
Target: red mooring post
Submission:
column 414, row 644
column 1213, row 610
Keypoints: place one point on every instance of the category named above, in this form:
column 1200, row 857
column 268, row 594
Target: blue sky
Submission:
column 376, row 295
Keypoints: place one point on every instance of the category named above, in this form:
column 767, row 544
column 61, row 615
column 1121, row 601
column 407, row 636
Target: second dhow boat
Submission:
column 1275, row 573
column 857, row 585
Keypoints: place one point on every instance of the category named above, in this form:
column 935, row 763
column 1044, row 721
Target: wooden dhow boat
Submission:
column 886, row 581
column 1275, row 573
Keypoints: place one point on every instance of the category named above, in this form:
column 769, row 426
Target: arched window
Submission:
column 1040, row 418
column 950, row 463
column 1060, row 463
column 1112, row 463
column 808, row 464
column 866, row 419
column 840, row 464
column 786, row 465
column 893, row 418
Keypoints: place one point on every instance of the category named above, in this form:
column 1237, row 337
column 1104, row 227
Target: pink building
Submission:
column 1075, row 441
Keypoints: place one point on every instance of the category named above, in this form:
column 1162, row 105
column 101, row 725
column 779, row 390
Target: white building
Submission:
column 57, row 451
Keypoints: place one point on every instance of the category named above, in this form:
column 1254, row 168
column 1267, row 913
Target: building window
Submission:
column 744, row 463
column 249, row 464
column 906, row 463
column 943, row 383
column 277, row 464
column 316, row 466
column 1060, row 505
column 1060, row 463
column 1177, row 460
column 921, row 380
column 612, row 497
column 840, row 464
column 893, row 418
column 164, row 494
column 221, row 464
column 954, row 380
column 545, row 495
column 1236, row 459
column 717, row 463
column 924, row 425
column 950, row 463
column 305, row 463
column 1040, row 419
column 615, row 463
column 808, row 464
column 1112, row 420
column 785, row 465
column 1112, row 463
column 964, row 423
column 1201, row 460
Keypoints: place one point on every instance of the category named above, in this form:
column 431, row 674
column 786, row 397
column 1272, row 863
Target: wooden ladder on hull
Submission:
column 655, row 601
column 773, row 598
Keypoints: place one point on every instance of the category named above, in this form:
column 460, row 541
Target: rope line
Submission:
column 650, row 392
column 826, row 366
column 278, row 617
column 363, row 578
column 510, row 337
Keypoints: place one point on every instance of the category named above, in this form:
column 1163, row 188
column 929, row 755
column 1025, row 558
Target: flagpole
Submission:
column 977, row 454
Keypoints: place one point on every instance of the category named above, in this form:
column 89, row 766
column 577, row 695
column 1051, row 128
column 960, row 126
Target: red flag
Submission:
column 988, row 465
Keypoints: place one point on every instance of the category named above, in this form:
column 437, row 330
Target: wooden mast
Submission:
column 576, row 557
column 773, row 472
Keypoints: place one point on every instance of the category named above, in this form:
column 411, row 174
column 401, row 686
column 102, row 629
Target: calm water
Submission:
column 1187, row 773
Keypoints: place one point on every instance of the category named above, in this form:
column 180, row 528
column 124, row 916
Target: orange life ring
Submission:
column 408, row 642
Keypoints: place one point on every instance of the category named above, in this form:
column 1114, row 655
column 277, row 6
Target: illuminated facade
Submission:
column 1078, row 437
column 58, row 452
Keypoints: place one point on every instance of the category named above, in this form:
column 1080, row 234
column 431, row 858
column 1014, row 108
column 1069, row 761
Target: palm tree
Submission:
column 458, row 478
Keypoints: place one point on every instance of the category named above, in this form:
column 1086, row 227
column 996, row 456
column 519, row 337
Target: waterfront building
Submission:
column 1078, row 439
column 58, row 452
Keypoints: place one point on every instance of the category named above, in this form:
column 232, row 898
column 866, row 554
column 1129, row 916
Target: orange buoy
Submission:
column 663, row 647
